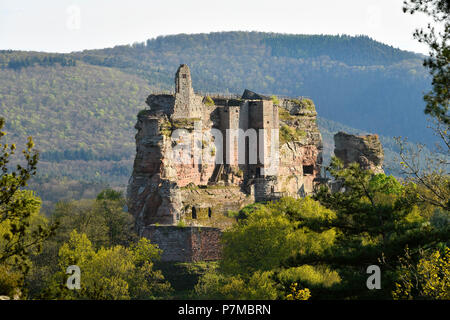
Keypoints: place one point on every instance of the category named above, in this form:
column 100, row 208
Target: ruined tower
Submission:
column 187, row 103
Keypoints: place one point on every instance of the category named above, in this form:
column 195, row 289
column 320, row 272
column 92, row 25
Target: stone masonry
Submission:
column 190, row 244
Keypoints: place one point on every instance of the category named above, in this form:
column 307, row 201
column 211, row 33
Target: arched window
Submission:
column 209, row 213
column 194, row 213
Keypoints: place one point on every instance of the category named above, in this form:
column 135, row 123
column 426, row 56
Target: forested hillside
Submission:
column 82, row 119
column 81, row 107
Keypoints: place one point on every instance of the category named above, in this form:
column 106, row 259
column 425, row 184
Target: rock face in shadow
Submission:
column 365, row 150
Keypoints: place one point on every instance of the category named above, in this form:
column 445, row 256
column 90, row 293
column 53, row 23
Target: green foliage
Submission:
column 110, row 194
column 53, row 190
column 208, row 101
column 181, row 224
column 275, row 100
column 257, row 248
column 259, row 286
column 260, row 242
column 438, row 61
column 298, row 294
column 429, row 278
column 284, row 114
column 376, row 218
column 103, row 222
column 289, row 134
column 183, row 276
column 22, row 229
column 308, row 104
column 310, row 276
column 385, row 184
column 109, row 273
column 305, row 46
column 44, row 60
column 10, row 281
column 81, row 117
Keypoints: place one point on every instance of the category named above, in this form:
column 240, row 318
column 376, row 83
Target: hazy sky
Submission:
column 72, row 25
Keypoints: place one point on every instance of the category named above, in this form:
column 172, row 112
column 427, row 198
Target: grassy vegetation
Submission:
column 275, row 100
column 208, row 101
column 288, row 134
column 284, row 114
column 308, row 104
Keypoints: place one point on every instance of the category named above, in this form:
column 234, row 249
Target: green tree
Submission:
column 109, row 273
column 429, row 278
column 216, row 285
column 103, row 221
column 376, row 219
column 258, row 247
column 432, row 179
column 110, row 194
column 22, row 230
column 259, row 242
column 439, row 53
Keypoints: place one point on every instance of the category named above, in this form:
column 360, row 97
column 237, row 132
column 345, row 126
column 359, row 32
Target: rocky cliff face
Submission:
column 300, row 147
column 365, row 150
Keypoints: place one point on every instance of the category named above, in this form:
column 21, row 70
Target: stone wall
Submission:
column 187, row 103
column 186, row 244
column 212, row 204
column 301, row 158
column 161, row 103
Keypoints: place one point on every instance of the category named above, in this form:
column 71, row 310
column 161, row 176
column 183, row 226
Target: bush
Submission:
column 109, row 273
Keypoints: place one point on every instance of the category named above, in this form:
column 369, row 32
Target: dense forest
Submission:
column 81, row 107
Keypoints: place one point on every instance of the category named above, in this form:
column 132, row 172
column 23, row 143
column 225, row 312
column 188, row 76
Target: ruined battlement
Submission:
column 198, row 157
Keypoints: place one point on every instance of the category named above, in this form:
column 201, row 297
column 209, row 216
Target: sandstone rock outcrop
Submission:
column 365, row 150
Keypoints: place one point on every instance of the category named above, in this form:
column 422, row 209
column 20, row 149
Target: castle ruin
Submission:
column 200, row 157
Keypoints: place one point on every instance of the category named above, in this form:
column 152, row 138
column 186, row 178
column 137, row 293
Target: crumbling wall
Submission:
column 209, row 205
column 187, row 103
column 186, row 244
column 300, row 156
